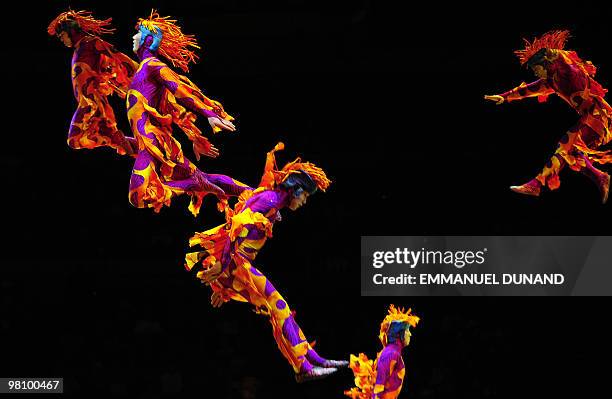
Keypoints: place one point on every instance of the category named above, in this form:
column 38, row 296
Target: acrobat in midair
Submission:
column 565, row 74
column 159, row 98
column 228, row 250
column 384, row 377
column 98, row 70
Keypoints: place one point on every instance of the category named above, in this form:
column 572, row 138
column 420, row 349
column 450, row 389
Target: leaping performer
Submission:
column 383, row 378
column 564, row 73
column 98, row 70
column 228, row 250
column 157, row 98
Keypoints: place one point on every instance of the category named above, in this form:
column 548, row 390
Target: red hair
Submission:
column 551, row 40
column 84, row 20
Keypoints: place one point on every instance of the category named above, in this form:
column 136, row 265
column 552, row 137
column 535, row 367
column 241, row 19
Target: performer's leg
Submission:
column 586, row 167
column 187, row 178
column 74, row 132
column 288, row 335
column 96, row 127
column 600, row 178
column 146, row 188
column 565, row 154
column 550, row 173
column 119, row 141
column 230, row 186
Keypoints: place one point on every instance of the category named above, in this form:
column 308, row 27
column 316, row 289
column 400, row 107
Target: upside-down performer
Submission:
column 565, row 74
column 98, row 70
column 157, row 98
column 225, row 263
column 383, row 378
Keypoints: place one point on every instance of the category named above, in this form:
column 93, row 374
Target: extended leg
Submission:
column 146, row 188
column 288, row 336
column 93, row 125
column 550, row 173
column 601, row 179
column 230, row 186
column 196, row 182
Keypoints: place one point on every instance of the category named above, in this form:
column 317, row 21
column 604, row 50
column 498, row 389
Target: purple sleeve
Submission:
column 184, row 95
column 263, row 202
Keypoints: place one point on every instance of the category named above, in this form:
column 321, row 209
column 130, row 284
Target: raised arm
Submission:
column 539, row 88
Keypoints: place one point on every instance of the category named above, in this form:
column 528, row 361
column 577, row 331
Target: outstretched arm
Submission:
column 539, row 88
column 189, row 96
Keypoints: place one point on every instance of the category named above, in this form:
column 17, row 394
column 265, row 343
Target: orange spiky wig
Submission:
column 168, row 40
column 83, row 19
column 554, row 40
column 273, row 176
column 396, row 315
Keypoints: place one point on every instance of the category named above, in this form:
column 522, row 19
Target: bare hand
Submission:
column 201, row 145
column 212, row 273
column 216, row 300
column 495, row 98
column 221, row 123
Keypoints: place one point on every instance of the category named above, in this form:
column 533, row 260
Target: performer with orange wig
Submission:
column 157, row 98
column 98, row 70
column 225, row 263
column 565, row 74
column 383, row 378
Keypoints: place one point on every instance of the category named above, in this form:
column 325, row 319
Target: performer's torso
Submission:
column 85, row 64
column 145, row 83
column 397, row 370
column 572, row 85
column 266, row 203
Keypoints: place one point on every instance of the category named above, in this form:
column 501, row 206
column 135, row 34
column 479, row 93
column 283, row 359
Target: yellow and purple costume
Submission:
column 235, row 245
column 384, row 377
column 157, row 99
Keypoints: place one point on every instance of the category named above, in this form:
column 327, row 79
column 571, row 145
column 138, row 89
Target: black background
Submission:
column 389, row 102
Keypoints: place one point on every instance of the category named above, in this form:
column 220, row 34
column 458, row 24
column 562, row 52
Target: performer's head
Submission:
column 161, row 35
column 299, row 179
column 542, row 52
column 300, row 186
column 399, row 332
column 395, row 328
column 540, row 62
column 71, row 26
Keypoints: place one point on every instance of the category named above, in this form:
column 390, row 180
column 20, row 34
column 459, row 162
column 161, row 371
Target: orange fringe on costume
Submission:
column 272, row 177
column 85, row 21
column 175, row 44
column 365, row 377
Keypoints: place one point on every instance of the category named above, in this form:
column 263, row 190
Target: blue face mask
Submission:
column 157, row 37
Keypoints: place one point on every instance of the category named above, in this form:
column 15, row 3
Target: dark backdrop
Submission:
column 389, row 102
